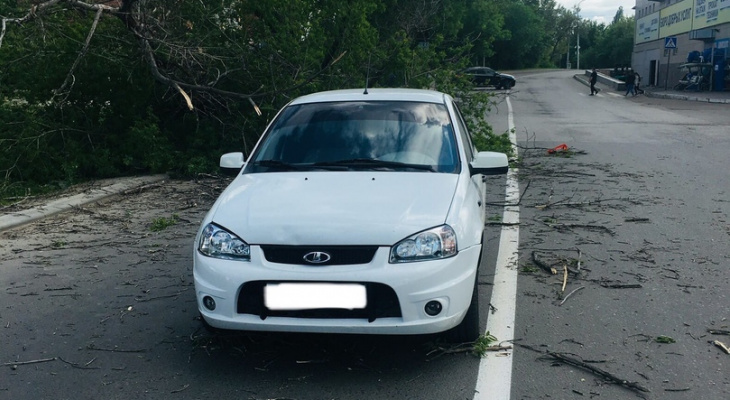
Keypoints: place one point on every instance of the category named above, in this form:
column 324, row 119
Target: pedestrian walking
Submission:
column 630, row 79
column 637, row 84
column 594, row 78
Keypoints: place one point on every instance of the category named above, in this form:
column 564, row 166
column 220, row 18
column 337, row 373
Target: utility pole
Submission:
column 578, row 47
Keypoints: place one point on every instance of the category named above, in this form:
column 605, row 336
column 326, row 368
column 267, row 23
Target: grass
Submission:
column 162, row 223
column 58, row 244
column 495, row 218
column 529, row 268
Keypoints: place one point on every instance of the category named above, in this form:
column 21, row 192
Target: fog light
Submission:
column 209, row 303
column 433, row 308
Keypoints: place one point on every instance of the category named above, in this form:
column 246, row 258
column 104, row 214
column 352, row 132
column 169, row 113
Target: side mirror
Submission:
column 489, row 163
column 231, row 163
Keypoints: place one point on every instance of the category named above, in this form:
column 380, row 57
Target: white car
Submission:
column 358, row 211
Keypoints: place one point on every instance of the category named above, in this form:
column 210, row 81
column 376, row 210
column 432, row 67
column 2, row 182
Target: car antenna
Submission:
column 367, row 76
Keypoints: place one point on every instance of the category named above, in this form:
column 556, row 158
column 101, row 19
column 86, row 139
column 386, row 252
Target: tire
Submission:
column 468, row 330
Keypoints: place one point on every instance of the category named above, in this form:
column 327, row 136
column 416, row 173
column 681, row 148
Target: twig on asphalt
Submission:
column 570, row 294
column 621, row 285
column 505, row 204
column 502, row 223
column 75, row 365
column 141, row 189
column 542, row 264
column 181, row 389
column 15, row 364
column 562, row 357
column 718, row 331
column 589, row 227
column 114, row 350
column 722, row 346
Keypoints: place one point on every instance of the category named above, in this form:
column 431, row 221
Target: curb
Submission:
column 16, row 219
column 672, row 96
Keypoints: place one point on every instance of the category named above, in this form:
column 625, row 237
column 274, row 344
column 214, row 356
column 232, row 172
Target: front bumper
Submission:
column 397, row 294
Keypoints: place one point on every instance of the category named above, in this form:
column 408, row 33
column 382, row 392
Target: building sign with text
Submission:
column 647, row 28
column 682, row 17
column 676, row 19
column 710, row 12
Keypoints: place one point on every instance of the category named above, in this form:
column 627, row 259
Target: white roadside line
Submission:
column 494, row 380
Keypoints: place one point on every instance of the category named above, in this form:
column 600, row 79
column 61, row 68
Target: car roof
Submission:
column 377, row 94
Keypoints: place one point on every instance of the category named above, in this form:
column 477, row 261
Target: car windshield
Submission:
column 359, row 135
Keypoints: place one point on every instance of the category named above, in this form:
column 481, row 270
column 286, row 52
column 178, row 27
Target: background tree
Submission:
column 115, row 87
column 526, row 41
column 99, row 89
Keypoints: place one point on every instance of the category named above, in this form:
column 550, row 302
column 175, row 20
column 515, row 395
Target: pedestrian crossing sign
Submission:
column 670, row 43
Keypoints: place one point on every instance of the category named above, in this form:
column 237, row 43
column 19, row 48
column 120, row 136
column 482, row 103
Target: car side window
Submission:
column 464, row 133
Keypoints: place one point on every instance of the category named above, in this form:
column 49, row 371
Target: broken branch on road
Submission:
column 621, row 285
column 570, row 294
column 114, row 350
column 722, row 346
column 570, row 360
column 15, row 364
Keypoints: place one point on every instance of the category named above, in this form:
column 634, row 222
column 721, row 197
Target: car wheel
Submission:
column 468, row 330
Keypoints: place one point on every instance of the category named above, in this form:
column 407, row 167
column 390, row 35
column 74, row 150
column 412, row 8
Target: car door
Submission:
column 478, row 181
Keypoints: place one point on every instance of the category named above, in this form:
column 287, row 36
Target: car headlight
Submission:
column 433, row 244
column 217, row 242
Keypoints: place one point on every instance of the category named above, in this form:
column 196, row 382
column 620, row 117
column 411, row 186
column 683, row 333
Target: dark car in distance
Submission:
column 485, row 76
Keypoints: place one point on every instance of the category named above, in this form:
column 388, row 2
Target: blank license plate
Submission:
column 308, row 296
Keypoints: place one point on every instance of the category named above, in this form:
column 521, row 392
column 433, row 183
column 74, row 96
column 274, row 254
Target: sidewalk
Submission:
column 707, row 97
column 121, row 185
column 657, row 92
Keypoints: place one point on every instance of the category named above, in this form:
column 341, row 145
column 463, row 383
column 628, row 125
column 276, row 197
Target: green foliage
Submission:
column 161, row 223
column 483, row 343
column 664, row 339
column 608, row 47
column 525, row 46
column 115, row 119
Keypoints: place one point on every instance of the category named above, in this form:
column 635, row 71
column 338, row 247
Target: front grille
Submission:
column 339, row 255
column 382, row 302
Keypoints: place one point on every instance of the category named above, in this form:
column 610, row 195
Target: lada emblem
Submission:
column 317, row 257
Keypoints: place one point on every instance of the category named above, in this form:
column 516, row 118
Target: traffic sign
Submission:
column 670, row 42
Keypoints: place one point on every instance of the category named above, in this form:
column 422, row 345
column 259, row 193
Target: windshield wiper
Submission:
column 278, row 164
column 371, row 163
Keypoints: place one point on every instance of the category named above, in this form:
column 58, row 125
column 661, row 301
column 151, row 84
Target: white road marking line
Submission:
column 494, row 380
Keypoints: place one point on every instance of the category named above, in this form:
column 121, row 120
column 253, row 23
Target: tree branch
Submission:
column 82, row 53
column 125, row 13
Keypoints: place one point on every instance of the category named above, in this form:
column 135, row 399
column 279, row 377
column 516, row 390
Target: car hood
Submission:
column 507, row 75
column 335, row 208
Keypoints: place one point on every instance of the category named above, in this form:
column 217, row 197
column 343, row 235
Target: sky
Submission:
column 601, row 11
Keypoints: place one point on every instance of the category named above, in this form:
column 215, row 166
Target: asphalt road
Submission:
column 96, row 304
column 637, row 211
